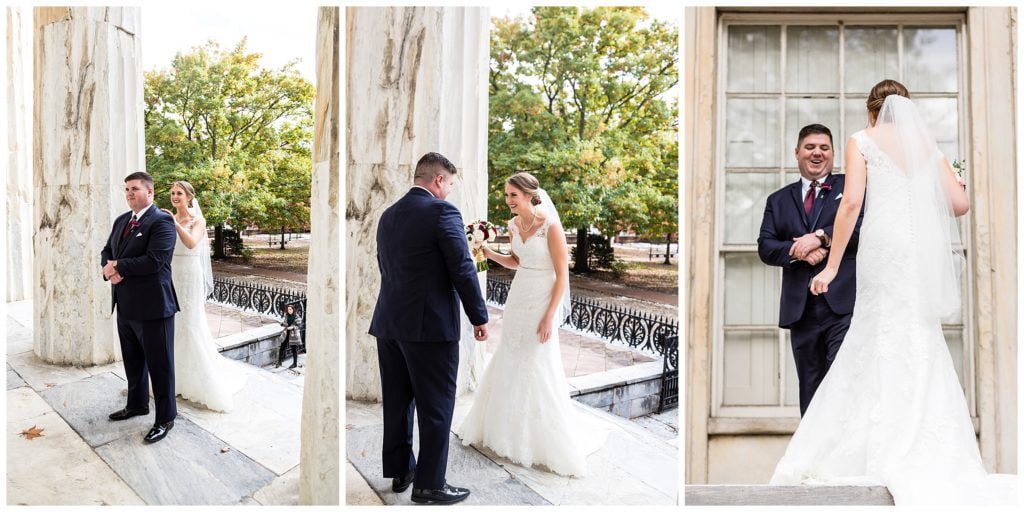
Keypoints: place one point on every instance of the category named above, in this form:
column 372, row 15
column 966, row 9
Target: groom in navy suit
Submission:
column 425, row 269
column 137, row 261
column 796, row 234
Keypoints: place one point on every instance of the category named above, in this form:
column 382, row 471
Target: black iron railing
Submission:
column 670, row 376
column 265, row 300
column 642, row 331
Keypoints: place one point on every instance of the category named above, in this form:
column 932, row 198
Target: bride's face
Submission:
column 517, row 201
column 179, row 198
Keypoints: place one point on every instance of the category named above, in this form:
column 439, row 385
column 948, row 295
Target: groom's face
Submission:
column 137, row 194
column 814, row 156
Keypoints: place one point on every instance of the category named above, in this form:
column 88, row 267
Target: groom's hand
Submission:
column 480, row 332
column 108, row 270
column 116, row 278
column 816, row 256
column 804, row 245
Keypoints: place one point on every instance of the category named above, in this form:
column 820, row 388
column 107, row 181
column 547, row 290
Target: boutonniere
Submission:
column 825, row 187
column 134, row 224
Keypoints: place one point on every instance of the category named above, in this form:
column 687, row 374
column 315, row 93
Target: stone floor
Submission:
column 247, row 456
column 632, row 467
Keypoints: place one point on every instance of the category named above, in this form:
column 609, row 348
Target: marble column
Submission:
column 87, row 136
column 318, row 467
column 17, row 72
column 416, row 81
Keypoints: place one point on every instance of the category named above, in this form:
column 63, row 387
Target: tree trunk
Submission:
column 668, row 249
column 282, row 238
column 218, row 243
column 582, row 265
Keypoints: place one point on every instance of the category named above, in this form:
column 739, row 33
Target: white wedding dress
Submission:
column 201, row 374
column 891, row 411
column 522, row 410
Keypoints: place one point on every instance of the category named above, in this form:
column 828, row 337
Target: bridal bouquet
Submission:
column 477, row 233
column 959, row 167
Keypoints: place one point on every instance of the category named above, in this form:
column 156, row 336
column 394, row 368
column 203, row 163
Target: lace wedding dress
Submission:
column 891, row 411
column 522, row 410
column 201, row 374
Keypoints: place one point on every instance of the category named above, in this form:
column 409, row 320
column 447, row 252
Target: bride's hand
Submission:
column 819, row 284
column 544, row 329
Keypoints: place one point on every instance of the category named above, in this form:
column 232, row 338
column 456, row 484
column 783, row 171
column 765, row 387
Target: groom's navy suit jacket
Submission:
column 425, row 268
column 784, row 220
column 144, row 261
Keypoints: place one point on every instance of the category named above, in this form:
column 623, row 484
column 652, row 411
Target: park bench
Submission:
column 658, row 251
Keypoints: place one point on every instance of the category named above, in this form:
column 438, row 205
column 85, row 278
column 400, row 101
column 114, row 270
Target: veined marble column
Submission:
column 416, row 82
column 87, row 136
column 319, row 469
column 17, row 72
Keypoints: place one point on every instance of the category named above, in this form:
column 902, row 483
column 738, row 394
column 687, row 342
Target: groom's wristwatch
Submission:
column 823, row 238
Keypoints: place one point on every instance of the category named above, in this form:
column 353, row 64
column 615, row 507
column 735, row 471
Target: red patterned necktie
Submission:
column 128, row 227
column 809, row 199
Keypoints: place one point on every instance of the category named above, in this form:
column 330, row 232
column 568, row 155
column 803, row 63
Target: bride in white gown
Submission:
column 522, row 410
column 201, row 374
column 891, row 411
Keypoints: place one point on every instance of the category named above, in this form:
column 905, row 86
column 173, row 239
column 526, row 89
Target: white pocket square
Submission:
column 138, row 235
column 839, row 196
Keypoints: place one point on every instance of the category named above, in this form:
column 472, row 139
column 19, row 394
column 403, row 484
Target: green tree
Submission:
column 578, row 98
column 239, row 132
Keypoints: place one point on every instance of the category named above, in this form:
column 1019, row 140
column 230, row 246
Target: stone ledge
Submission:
column 742, row 495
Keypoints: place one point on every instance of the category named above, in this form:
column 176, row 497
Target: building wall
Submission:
column 745, row 450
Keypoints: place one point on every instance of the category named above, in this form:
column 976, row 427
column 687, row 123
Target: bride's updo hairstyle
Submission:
column 882, row 89
column 187, row 187
column 528, row 184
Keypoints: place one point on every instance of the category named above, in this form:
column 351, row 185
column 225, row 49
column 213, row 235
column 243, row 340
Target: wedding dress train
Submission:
column 201, row 374
column 522, row 410
column 891, row 411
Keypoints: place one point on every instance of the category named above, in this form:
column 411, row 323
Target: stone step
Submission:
column 742, row 495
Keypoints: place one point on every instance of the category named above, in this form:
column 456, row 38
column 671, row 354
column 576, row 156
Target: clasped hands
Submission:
column 110, row 272
column 808, row 248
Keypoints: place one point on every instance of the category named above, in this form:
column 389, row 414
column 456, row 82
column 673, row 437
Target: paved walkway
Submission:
column 580, row 355
column 247, row 456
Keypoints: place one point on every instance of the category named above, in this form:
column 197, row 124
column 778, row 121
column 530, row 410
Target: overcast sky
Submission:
column 280, row 34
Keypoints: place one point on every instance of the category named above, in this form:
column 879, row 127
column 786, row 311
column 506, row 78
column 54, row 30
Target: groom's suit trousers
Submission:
column 147, row 347
column 816, row 339
column 417, row 377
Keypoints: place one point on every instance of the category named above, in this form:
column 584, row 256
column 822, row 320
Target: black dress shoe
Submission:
column 446, row 495
column 126, row 413
column 158, row 432
column 401, row 484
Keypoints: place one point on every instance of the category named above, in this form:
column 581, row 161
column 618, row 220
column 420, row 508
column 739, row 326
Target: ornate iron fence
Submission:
column 265, row 300
column 670, row 376
column 642, row 331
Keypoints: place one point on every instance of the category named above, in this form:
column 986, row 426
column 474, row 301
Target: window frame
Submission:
column 787, row 165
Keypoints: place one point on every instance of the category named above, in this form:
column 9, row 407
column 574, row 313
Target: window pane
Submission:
column 856, row 113
column 801, row 112
column 751, row 133
column 955, row 342
column 929, row 59
column 941, row 116
column 751, row 369
column 745, row 195
column 792, row 389
column 751, row 291
column 871, row 55
column 753, row 59
column 812, row 59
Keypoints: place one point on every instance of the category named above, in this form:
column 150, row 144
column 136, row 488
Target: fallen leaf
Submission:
column 349, row 426
column 362, row 454
column 50, row 384
column 32, row 433
column 225, row 449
